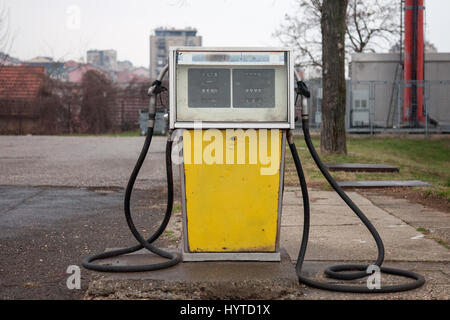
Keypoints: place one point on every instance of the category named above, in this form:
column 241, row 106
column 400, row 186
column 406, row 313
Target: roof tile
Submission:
column 20, row 82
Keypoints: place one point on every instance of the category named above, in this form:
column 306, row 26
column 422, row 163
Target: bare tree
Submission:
column 302, row 32
column 6, row 38
column 326, row 32
column 59, row 106
column 50, row 107
column 371, row 25
column 98, row 98
column 333, row 25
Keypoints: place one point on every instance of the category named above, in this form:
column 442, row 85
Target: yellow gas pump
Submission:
column 235, row 107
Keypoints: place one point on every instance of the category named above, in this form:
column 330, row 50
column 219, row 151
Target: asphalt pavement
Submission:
column 62, row 199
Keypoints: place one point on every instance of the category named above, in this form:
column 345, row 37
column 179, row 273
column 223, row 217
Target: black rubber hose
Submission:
column 174, row 258
column 334, row 271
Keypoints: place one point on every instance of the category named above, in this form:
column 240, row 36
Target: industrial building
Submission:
column 378, row 92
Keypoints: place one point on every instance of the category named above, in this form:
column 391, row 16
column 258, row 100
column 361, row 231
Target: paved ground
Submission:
column 43, row 230
column 337, row 236
column 61, row 199
column 78, row 161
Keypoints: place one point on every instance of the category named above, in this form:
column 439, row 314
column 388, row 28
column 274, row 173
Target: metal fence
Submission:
column 390, row 106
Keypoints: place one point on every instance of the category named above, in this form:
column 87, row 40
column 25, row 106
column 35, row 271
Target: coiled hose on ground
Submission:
column 348, row 271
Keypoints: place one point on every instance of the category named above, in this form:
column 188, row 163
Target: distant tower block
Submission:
column 105, row 59
column 163, row 39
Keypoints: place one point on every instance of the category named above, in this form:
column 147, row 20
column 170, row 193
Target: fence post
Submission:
column 425, row 105
column 399, row 103
column 372, row 105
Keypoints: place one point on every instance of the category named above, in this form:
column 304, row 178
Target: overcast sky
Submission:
column 65, row 29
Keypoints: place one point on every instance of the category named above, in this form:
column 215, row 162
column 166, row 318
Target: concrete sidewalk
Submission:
column 337, row 236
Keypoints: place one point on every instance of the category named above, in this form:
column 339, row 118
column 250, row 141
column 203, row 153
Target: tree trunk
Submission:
column 333, row 23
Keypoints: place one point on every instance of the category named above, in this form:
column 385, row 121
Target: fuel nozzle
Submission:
column 153, row 92
column 303, row 91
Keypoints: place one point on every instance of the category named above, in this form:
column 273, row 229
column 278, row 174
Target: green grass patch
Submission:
column 418, row 159
column 423, row 230
column 443, row 243
column 169, row 233
column 171, row 236
column 427, row 232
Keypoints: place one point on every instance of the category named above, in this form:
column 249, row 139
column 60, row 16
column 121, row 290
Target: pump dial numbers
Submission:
column 254, row 88
column 209, row 88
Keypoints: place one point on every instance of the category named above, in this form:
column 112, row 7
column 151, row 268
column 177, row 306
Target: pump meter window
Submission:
column 208, row 88
column 231, row 88
column 254, row 88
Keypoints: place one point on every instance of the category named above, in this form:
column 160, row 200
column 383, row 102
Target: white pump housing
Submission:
column 231, row 88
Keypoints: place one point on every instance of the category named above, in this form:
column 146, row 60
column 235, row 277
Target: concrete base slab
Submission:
column 383, row 184
column 361, row 167
column 232, row 256
column 198, row 280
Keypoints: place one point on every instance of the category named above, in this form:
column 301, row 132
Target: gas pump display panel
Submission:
column 208, row 88
column 254, row 88
column 231, row 89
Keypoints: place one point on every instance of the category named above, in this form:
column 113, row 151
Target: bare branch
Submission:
column 371, row 25
column 6, row 38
